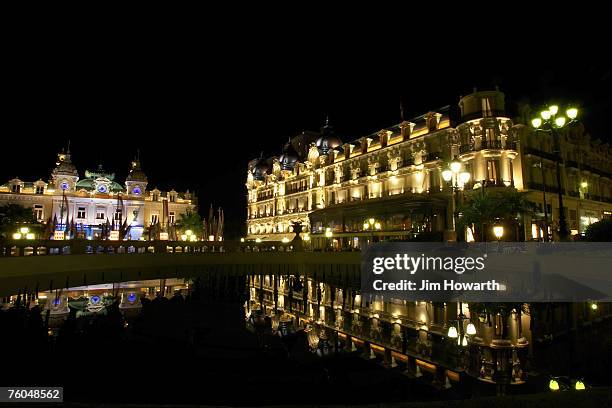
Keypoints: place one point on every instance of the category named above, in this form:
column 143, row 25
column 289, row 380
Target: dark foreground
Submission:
column 198, row 351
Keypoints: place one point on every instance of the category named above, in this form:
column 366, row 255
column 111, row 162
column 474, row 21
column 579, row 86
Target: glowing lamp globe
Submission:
column 498, row 231
column 536, row 123
column 447, row 175
column 452, row 332
column 455, row 166
column 560, row 121
column 553, row 385
column 572, row 113
column 545, row 115
column 471, row 329
column 553, row 109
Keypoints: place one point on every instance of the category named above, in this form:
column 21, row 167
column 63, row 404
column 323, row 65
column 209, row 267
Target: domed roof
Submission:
column 64, row 165
column 328, row 139
column 260, row 169
column 91, row 176
column 136, row 173
column 289, row 157
column 90, row 185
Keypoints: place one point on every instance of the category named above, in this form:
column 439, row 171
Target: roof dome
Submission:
column 64, row 165
column 289, row 157
column 260, row 169
column 136, row 173
column 328, row 139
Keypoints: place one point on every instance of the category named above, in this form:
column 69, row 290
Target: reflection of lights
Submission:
column 241, row 239
column 553, row 385
column 258, row 240
column 328, row 233
column 30, row 235
column 285, row 240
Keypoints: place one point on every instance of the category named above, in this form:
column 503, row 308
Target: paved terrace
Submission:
column 46, row 265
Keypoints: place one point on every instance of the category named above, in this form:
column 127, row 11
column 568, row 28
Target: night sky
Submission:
column 198, row 121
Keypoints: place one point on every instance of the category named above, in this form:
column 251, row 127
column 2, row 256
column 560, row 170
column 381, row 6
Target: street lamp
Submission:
column 372, row 225
column 457, row 180
column 550, row 122
column 328, row 235
column 498, row 231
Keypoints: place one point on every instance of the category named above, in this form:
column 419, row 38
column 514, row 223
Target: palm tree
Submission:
column 13, row 216
column 481, row 211
column 190, row 220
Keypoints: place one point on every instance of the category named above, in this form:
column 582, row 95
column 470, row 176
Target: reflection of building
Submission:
column 394, row 176
column 88, row 204
column 415, row 336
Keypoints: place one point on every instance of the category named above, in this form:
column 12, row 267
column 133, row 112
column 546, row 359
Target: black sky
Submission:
column 198, row 117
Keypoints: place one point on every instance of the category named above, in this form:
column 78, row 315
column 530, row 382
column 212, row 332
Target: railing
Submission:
column 24, row 247
column 484, row 115
column 487, row 144
column 541, row 153
column 571, row 163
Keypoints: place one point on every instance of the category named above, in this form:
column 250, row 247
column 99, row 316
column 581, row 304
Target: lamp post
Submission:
column 328, row 235
column 372, row 225
column 540, row 164
column 550, row 122
column 457, row 179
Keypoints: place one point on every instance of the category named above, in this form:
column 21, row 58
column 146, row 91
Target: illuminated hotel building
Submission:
column 393, row 177
column 98, row 199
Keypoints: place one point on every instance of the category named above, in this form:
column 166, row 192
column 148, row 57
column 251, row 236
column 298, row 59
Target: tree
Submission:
column 190, row 220
column 600, row 231
column 480, row 211
column 13, row 216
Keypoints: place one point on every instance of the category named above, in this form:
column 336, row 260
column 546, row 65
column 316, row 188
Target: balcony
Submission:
column 571, row 163
column 541, row 153
column 488, row 144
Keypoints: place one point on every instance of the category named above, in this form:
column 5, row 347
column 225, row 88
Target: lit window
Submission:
column 154, row 218
column 171, row 217
column 16, row 188
column 38, row 212
column 100, row 213
column 81, row 212
column 40, row 189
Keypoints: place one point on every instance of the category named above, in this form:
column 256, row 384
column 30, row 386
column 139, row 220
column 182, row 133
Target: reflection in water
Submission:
column 272, row 329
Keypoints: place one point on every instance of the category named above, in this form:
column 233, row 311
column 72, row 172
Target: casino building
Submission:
column 88, row 205
column 390, row 185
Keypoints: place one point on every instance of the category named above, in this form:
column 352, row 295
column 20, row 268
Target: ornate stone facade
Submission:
column 395, row 175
